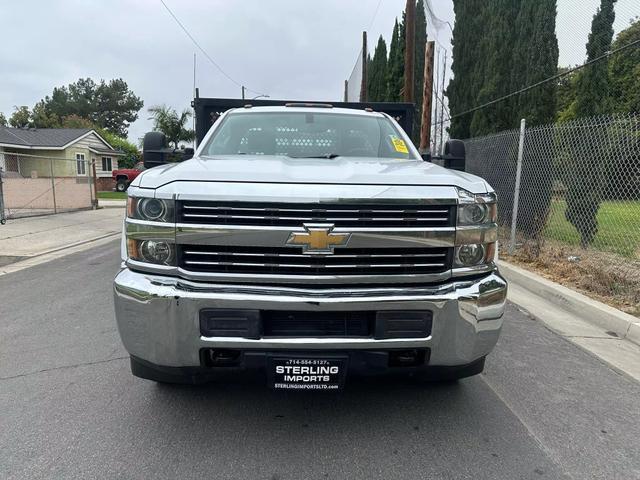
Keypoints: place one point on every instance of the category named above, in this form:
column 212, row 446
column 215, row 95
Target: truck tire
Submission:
column 121, row 185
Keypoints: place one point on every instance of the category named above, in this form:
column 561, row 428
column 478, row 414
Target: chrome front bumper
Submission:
column 158, row 316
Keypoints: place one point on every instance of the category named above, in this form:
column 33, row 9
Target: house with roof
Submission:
column 57, row 152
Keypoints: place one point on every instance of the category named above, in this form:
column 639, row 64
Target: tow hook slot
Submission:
column 222, row 357
column 406, row 358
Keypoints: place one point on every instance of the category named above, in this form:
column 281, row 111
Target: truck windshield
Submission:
column 307, row 135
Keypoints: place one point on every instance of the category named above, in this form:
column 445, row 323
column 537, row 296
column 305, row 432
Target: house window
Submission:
column 106, row 164
column 81, row 166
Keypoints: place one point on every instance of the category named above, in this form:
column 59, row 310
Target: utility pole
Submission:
column 363, row 85
column 436, row 74
column 427, row 94
column 193, row 116
column 346, row 90
column 409, row 50
column 243, row 92
column 444, row 72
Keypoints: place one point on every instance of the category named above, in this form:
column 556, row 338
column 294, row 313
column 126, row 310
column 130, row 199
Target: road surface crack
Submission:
column 64, row 367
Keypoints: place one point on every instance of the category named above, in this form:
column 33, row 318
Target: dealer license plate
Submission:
column 307, row 373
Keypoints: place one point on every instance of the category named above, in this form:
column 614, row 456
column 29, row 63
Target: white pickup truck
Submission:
column 311, row 243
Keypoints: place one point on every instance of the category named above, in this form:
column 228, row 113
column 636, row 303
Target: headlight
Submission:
column 476, row 209
column 474, row 254
column 473, row 214
column 151, row 209
column 470, row 255
column 151, row 251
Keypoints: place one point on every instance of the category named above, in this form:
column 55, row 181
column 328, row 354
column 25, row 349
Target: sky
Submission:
column 293, row 49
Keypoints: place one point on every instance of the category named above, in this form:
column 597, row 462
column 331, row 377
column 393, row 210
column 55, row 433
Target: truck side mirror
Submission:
column 154, row 146
column 188, row 153
column 426, row 156
column 156, row 152
column 454, row 155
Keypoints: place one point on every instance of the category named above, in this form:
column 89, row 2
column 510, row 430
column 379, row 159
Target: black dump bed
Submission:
column 207, row 110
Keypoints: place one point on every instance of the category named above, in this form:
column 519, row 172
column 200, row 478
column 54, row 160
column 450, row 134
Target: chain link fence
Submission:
column 35, row 185
column 569, row 199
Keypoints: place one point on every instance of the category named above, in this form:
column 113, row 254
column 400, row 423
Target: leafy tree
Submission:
column 3, row 120
column 377, row 78
column 116, row 106
column 40, row 118
column 75, row 121
column 592, row 98
column 566, row 95
column 107, row 105
column 624, row 71
column 173, row 125
column 21, row 117
column 132, row 154
column 395, row 67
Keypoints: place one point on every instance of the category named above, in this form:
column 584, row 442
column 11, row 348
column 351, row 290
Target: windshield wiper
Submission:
column 327, row 155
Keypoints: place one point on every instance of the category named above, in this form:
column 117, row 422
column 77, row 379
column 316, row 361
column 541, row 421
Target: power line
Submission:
column 546, row 80
column 207, row 56
column 375, row 14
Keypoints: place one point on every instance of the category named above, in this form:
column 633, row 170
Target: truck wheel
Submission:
column 121, row 186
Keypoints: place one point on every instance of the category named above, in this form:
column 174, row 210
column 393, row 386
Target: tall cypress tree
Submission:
column 467, row 62
column 535, row 58
column 378, row 72
column 592, row 98
column 395, row 69
column 592, row 89
column 496, row 47
column 418, row 84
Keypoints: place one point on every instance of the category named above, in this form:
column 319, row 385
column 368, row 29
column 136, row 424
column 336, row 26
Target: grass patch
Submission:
column 112, row 195
column 618, row 227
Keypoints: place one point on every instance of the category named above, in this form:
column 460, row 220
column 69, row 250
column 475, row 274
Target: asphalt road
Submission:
column 69, row 408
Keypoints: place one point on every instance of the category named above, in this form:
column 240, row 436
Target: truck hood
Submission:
column 276, row 169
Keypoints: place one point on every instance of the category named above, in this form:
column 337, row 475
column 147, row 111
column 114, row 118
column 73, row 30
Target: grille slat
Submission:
column 293, row 214
column 315, row 219
column 344, row 261
column 302, row 255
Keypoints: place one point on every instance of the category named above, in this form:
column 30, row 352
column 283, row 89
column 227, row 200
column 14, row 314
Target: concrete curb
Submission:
column 594, row 312
column 45, row 256
column 112, row 203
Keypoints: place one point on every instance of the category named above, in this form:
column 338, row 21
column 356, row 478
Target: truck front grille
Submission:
column 295, row 214
column 291, row 260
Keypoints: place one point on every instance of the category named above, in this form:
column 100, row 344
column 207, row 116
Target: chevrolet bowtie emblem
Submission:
column 318, row 238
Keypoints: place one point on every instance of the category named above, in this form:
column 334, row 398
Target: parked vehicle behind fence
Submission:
column 124, row 176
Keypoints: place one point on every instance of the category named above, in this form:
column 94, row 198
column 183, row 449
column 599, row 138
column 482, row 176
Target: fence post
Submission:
column 53, row 186
column 87, row 171
column 95, row 184
column 516, row 193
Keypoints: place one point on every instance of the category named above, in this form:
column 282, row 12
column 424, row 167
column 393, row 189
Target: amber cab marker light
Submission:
column 131, row 206
column 490, row 253
column 132, row 248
